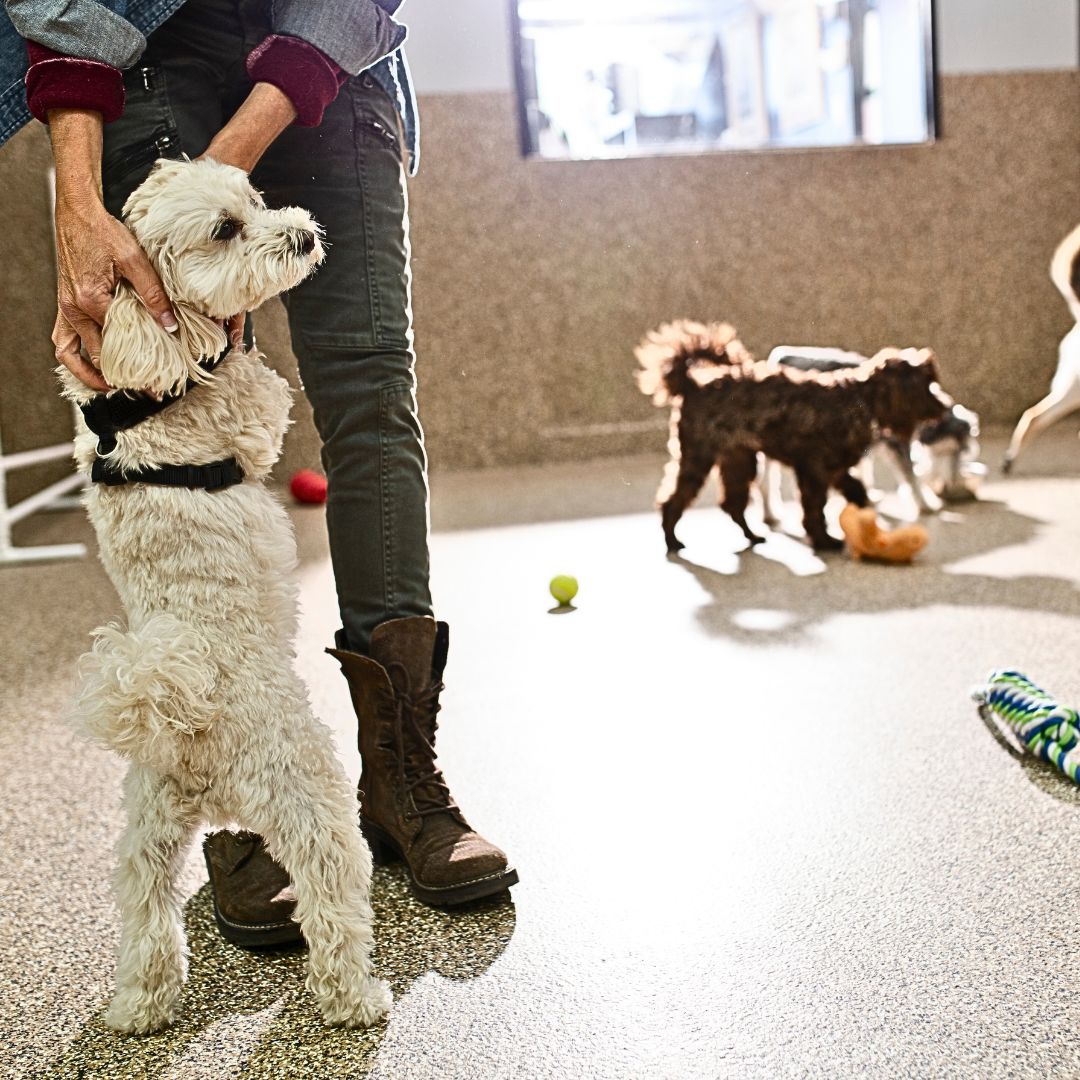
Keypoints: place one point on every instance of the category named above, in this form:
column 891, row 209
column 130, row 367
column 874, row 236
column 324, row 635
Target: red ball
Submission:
column 308, row 486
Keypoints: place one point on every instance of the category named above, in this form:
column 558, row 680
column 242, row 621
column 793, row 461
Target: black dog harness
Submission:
column 105, row 415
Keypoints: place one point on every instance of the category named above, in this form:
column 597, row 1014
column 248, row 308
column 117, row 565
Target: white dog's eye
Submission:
column 227, row 229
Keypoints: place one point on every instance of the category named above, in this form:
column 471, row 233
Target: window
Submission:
column 612, row 78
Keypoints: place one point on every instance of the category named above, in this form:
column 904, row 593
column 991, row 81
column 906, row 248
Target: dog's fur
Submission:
column 947, row 443
column 726, row 409
column 199, row 692
column 1064, row 396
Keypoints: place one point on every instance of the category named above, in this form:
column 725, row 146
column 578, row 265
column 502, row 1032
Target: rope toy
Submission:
column 1045, row 728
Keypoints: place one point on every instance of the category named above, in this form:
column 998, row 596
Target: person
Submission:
column 314, row 101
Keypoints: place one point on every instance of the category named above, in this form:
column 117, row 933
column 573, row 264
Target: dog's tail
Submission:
column 147, row 692
column 666, row 356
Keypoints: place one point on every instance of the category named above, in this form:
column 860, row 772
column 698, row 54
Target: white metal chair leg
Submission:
column 9, row 515
column 55, row 496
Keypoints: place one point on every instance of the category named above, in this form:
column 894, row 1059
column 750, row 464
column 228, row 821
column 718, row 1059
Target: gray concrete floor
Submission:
column 761, row 830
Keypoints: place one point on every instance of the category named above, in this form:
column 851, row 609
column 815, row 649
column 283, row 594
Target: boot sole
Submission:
column 276, row 936
column 385, row 850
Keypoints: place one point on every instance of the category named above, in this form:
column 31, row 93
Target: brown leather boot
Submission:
column 406, row 810
column 253, row 898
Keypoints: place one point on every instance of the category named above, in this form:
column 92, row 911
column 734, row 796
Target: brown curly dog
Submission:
column 726, row 409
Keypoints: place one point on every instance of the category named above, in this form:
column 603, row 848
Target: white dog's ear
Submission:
column 200, row 336
column 138, row 353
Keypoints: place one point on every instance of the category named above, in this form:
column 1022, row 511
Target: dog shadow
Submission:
column 248, row 1012
column 812, row 588
column 835, row 585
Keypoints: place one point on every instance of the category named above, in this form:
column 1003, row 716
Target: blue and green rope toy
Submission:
column 1045, row 728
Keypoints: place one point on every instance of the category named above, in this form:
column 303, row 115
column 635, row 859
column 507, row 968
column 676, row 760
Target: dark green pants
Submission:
column 351, row 323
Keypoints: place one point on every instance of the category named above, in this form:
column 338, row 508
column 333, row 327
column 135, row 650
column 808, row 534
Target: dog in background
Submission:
column 1064, row 396
column 947, row 444
column 950, row 449
column 198, row 691
column 726, row 409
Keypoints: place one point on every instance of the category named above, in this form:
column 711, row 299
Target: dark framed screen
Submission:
column 615, row 78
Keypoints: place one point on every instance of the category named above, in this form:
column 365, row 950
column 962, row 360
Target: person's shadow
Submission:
column 245, row 1012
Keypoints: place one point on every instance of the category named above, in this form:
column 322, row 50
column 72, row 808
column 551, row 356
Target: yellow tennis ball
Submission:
column 563, row 587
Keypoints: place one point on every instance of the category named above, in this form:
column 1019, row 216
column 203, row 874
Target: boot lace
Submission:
column 415, row 724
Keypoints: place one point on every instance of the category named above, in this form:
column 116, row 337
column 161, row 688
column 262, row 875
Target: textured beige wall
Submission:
column 535, row 279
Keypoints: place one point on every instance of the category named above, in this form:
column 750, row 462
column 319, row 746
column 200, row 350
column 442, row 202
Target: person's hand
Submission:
column 93, row 249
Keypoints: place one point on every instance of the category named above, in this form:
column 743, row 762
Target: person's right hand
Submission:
column 93, row 251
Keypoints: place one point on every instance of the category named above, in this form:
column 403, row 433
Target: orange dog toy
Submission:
column 867, row 540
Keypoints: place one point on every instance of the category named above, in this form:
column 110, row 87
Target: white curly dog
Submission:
column 199, row 691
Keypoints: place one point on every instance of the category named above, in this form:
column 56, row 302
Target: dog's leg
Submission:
column 1055, row 406
column 853, row 489
column 900, row 453
column 313, row 831
column 738, row 467
column 693, row 472
column 813, row 491
column 865, row 472
column 152, row 961
column 770, row 485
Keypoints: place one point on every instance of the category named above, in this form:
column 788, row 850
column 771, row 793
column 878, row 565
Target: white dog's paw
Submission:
column 133, row 1012
column 146, row 693
column 361, row 1005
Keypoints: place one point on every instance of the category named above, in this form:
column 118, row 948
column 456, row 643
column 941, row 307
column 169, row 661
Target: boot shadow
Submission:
column 244, row 1011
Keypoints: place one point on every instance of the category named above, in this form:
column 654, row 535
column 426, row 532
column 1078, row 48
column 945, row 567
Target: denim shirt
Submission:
column 116, row 33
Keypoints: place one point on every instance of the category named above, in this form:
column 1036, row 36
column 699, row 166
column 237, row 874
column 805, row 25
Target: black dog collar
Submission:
column 106, row 414
column 212, row 477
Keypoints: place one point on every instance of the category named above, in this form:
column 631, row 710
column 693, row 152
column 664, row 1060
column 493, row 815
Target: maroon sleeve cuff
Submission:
column 55, row 81
column 304, row 74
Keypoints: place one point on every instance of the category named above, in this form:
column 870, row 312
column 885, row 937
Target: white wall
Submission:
column 1006, row 35
column 457, row 46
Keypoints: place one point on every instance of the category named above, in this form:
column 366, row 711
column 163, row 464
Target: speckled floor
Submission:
column 761, row 831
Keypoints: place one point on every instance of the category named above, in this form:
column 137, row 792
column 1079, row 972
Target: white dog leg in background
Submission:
column 899, row 452
column 864, row 471
column 1063, row 399
column 771, row 488
column 152, row 962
